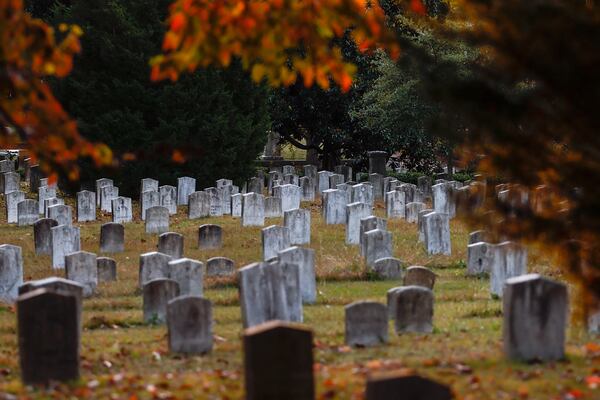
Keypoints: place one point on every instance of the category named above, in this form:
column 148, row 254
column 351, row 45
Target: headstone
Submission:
column 198, row 205
column 156, row 295
column 148, row 199
column 107, row 269
column 308, row 188
column 535, row 312
column 290, row 197
column 366, row 324
column 305, row 260
column 65, row 240
column 323, row 181
column 509, row 261
column 210, row 236
column 58, row 285
column 336, row 179
column 310, row 171
column 419, row 276
column 223, row 182
column 168, row 198
column 436, row 227
column 480, row 257
column 388, row 268
column 354, row 213
column 227, row 192
column 27, row 212
column 412, row 211
column 378, row 244
column 273, row 207
column 42, row 236
column 274, row 239
column 153, row 265
column 12, row 181
column 107, row 195
column 12, row 200
column 377, row 162
column 157, row 219
column 377, row 181
column 395, row 204
column 298, row 223
column 35, row 174
column 390, row 386
column 49, row 337
column 368, row 224
column 424, row 185
column 344, row 170
column 253, row 209
column 100, row 183
column 122, row 210
column 220, row 266
column 11, row 272
column 171, row 243
column 112, row 238
column 288, row 169
column 291, row 179
column 443, row 200
column 189, row 323
column 51, row 202
column 61, row 214
column 363, row 193
column 86, row 206
column 414, row 309
column 81, row 267
column 389, row 183
column 411, row 193
column 334, row 206
column 593, row 323
column 215, row 202
column 420, row 223
column 185, row 187
column 278, row 362
column 236, row 205
column 7, row 166
column 347, row 189
column 477, row 236
column 45, row 192
column 189, row 274
column 148, row 185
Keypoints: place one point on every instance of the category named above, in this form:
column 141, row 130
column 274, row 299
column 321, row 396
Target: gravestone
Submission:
column 480, row 257
column 274, row 239
column 477, row 236
column 157, row 219
column 253, row 210
column 112, row 238
column 307, row 188
column 354, row 213
column 414, row 309
column 168, row 198
column 42, row 236
column 443, row 200
column 347, row 189
column 215, row 202
column 419, row 276
column 171, row 243
column 86, row 206
column 288, row 169
column 412, row 211
column 81, row 267
column 220, row 266
column 58, row 285
column 509, row 261
column 148, row 185
column 291, row 179
column 7, row 166
column 388, row 268
column 436, row 227
column 35, row 175
column 189, row 275
column 12, row 181
column 153, row 265
column 189, row 323
column 363, row 193
column 344, row 170
column 148, row 199
column 236, row 205
column 227, row 192
column 45, row 192
column 107, row 195
column 122, row 210
column 185, row 187
column 305, row 260
column 256, row 185
column 12, row 200
column 100, row 183
column 389, row 183
column 49, row 336
column 310, row 171
column 368, row 224
column 51, row 202
column 377, row 162
column 424, row 185
column 398, row 385
column 65, row 240
column 378, row 244
column 156, row 295
column 290, row 196
column 278, row 362
column 535, row 312
column 107, row 269
column 61, row 214
column 298, row 223
column 366, row 324
column 210, row 236
column 11, row 272
column 395, row 204
column 273, row 207
column 376, row 181
column 420, row 223
column 593, row 323
column 27, row 212
column 198, row 205
column 273, row 180
column 223, row 182
column 411, row 193
column 336, row 179
column 323, row 181
column 334, row 206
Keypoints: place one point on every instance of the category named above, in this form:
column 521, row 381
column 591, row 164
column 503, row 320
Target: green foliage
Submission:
column 216, row 118
column 407, row 177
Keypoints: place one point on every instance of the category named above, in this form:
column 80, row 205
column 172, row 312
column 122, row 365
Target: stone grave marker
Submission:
column 395, row 204
column 157, row 219
column 477, row 236
column 354, row 213
column 82, row 267
column 334, row 206
column 168, row 198
column 51, row 202
column 27, row 212
column 253, row 209
column 100, row 183
column 388, row 268
column 368, row 224
column 273, row 207
column 189, row 323
column 274, row 239
column 377, row 181
column 298, row 223
column 112, row 238
column 210, row 236
column 290, row 196
column 363, row 193
column 185, row 186
column 480, row 257
column 220, row 266
column 436, row 227
column 61, row 214
column 148, row 199
column 107, row 269
column 378, row 244
column 65, row 240
column 189, row 275
column 414, row 309
column 45, row 192
column 156, row 295
column 223, row 182
column 148, row 184
column 236, row 205
column 86, row 206
column 11, row 272
column 336, row 179
column 420, row 223
column 12, row 200
column 412, row 211
column 308, row 188
column 171, row 243
column 323, row 180
column 509, row 261
column 107, row 195
column 59, row 285
column 42, row 236
column 198, row 205
column 366, row 324
column 377, row 162
column 153, row 265
column 304, row 258
column 12, row 181
column 419, row 276
column 122, row 210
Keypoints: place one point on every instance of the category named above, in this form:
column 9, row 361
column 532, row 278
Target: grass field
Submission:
column 122, row 358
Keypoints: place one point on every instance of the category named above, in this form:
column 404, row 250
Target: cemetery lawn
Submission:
column 123, row 358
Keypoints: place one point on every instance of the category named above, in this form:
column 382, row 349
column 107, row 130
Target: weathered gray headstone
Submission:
column 308, row 188
column 65, row 240
column 185, row 186
column 377, row 181
column 156, row 295
column 443, row 199
column 61, row 214
column 378, row 244
column 256, row 185
column 107, row 195
column 11, row 272
column 189, row 322
column 368, row 224
column 148, row 184
column 12, row 200
column 107, row 269
column 395, row 204
column 305, row 260
column 153, row 265
column 436, row 227
column 477, row 236
column 346, row 188
column 366, row 324
column 274, row 239
column 210, row 236
column 291, row 179
column 278, row 362
column 344, row 170
column 112, row 238
column 273, row 207
column 198, row 205
column 27, row 212
column 509, row 260
column 290, row 196
column 227, row 192
column 388, row 268
column 253, row 209
column 45, row 192
column 81, row 267
column 298, row 223
column 149, row 198
column 236, row 205
column 49, row 336
column 157, row 219
column 424, row 185
column 60, row 285
column 310, row 171
column 51, row 202
column 86, row 206
column 122, row 210
column 420, row 223
column 411, row 192
column 414, row 309
column 35, row 175
column 336, row 179
column 42, row 236
column 419, row 276
column 480, row 257
column 189, row 274
column 412, row 211
column 12, row 181
column 363, row 193
column 7, row 166
column 323, row 180
column 334, row 206
column 220, row 266
column 100, row 183
column 168, row 198
column 215, row 201
column 396, row 385
column 354, row 213
column 535, row 311
column 171, row 243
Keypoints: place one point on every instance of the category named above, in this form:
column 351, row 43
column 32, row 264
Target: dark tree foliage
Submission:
column 217, row 119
